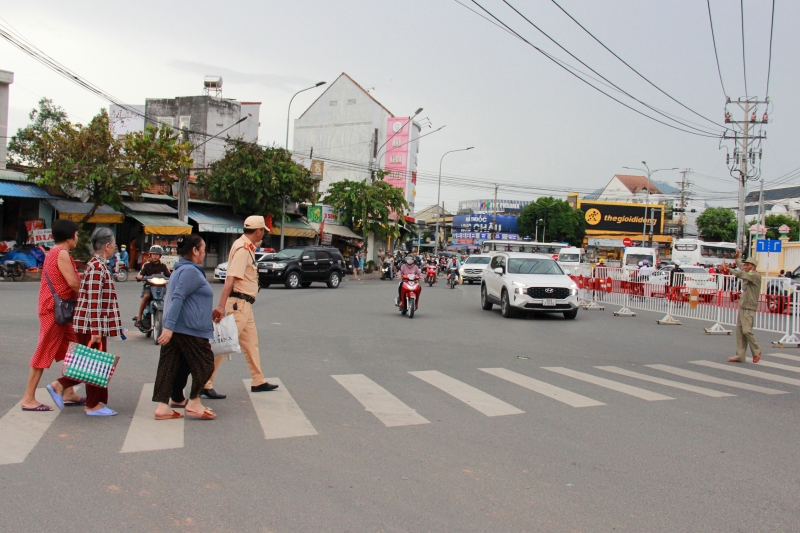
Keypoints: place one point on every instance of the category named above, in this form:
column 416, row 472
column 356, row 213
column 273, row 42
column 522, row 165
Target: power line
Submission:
column 714, row 40
column 744, row 59
column 769, row 62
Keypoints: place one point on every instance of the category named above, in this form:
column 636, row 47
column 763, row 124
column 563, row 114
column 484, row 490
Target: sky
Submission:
column 530, row 121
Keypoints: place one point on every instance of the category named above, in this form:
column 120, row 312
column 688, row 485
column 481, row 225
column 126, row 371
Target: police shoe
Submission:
column 211, row 394
column 264, row 387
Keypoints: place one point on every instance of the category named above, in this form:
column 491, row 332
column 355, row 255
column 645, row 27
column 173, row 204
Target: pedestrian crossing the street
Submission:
column 282, row 417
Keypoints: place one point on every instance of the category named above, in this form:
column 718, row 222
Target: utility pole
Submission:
column 373, row 160
column 683, row 183
column 183, row 188
column 494, row 206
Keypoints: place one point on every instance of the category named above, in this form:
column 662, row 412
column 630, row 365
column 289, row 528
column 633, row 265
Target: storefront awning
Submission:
column 156, row 225
column 147, row 207
column 74, row 210
column 294, row 228
column 335, row 229
column 217, row 221
column 23, row 190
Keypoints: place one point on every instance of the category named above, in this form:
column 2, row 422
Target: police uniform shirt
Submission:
column 242, row 266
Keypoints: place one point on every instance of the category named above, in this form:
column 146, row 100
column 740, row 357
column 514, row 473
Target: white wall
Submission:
column 6, row 79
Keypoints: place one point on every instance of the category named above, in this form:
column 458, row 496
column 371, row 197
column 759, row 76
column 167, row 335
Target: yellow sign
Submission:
column 593, row 217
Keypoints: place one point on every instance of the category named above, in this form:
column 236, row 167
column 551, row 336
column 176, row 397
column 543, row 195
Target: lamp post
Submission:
column 283, row 218
column 288, row 113
column 647, row 202
column 439, row 194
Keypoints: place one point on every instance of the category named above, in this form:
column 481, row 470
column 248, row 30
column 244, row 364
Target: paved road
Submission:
column 457, row 420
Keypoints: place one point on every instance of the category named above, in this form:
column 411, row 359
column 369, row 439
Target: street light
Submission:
column 283, row 218
column 439, row 193
column 647, row 202
column 290, row 110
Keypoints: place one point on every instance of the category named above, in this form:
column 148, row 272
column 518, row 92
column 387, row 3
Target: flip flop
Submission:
column 41, row 407
column 81, row 401
column 734, row 360
column 173, row 416
column 105, row 411
column 206, row 415
column 56, row 397
column 757, row 358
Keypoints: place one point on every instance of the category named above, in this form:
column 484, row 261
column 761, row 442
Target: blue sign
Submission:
column 768, row 245
column 485, row 224
column 468, row 235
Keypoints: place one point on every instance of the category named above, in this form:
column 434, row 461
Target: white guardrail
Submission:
column 702, row 296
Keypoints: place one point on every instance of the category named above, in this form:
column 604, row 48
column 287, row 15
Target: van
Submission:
column 570, row 259
column 634, row 254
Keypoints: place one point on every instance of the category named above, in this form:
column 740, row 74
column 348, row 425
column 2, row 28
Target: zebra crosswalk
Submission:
column 281, row 416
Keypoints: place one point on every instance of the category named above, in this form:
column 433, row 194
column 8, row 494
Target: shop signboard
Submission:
column 43, row 237
column 470, row 235
column 607, row 216
column 485, row 223
column 316, row 214
column 219, row 228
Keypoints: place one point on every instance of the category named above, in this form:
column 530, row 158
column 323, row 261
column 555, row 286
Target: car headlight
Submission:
column 573, row 289
column 279, row 266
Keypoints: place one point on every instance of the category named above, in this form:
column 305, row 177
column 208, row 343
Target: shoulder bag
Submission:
column 64, row 309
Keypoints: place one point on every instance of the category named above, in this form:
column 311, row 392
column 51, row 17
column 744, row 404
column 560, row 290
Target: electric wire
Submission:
column 716, row 55
column 769, row 61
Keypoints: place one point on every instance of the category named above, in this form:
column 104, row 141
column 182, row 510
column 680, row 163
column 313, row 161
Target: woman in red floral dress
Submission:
column 96, row 318
column 54, row 338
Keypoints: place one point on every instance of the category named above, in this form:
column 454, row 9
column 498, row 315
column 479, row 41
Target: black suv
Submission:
column 299, row 266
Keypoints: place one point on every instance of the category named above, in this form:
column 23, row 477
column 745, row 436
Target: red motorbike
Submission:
column 409, row 295
column 430, row 274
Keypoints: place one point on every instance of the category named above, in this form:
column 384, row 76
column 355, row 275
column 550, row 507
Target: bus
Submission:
column 551, row 248
column 694, row 251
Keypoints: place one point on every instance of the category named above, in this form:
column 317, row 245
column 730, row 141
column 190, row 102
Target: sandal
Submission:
column 80, row 401
column 178, row 405
column 39, row 408
column 734, row 360
column 757, row 358
column 206, row 415
column 171, row 416
column 137, row 324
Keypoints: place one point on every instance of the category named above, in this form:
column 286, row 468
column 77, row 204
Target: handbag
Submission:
column 64, row 309
column 226, row 337
column 88, row 365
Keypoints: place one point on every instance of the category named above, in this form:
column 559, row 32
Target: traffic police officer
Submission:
column 748, row 304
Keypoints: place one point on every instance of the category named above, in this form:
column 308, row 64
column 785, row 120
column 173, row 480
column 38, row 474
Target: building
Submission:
column 350, row 130
column 631, row 189
column 128, row 119
column 468, row 207
column 780, row 200
column 6, row 79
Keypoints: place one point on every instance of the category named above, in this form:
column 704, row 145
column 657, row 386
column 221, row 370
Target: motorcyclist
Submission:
column 154, row 266
column 408, row 268
column 388, row 262
column 124, row 257
column 454, row 265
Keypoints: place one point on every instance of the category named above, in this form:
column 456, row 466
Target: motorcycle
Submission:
column 430, row 274
column 452, row 277
column 152, row 318
column 14, row 270
column 409, row 295
column 120, row 274
column 386, row 272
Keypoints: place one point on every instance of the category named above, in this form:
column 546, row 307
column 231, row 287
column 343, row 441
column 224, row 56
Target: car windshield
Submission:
column 477, row 261
column 569, row 258
column 289, row 253
column 694, row 270
column 633, row 259
column 534, row 266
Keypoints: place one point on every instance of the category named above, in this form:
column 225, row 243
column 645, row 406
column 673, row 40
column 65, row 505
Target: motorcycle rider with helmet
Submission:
column 408, row 268
column 152, row 267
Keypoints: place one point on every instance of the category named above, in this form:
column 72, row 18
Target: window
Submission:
column 334, row 102
column 322, row 255
column 169, row 121
column 687, row 247
column 534, row 266
column 309, row 255
column 185, row 122
column 351, row 102
column 289, row 253
column 477, row 261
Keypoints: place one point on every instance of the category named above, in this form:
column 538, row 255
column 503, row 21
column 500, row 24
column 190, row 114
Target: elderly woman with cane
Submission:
column 96, row 318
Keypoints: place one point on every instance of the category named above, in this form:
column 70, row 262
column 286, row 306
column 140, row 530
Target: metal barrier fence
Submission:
column 702, row 296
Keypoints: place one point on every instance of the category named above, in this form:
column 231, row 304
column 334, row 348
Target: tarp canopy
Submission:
column 146, row 207
column 294, row 228
column 156, row 225
column 22, row 190
column 334, row 229
column 217, row 220
column 74, row 210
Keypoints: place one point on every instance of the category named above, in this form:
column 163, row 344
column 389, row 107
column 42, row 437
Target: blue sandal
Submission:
column 105, row 411
column 57, row 398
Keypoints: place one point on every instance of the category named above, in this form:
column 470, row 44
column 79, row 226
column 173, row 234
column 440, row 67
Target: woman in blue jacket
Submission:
column 184, row 341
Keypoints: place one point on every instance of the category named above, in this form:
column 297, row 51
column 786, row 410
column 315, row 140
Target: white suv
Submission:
column 472, row 269
column 520, row 282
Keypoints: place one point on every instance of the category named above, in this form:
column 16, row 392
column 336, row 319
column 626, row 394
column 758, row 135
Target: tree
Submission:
column 773, row 222
column 560, row 222
column 367, row 206
column 43, row 119
column 254, row 179
column 717, row 224
column 87, row 160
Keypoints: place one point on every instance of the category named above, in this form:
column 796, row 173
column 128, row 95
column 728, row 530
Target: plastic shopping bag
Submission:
column 226, row 337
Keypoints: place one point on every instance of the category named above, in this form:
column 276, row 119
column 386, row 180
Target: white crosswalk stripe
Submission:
column 146, row 434
column 779, row 366
column 785, row 356
column 712, row 379
column 666, row 382
column 607, row 383
column 383, row 404
column 278, row 413
column 20, row 431
column 735, row 367
column 551, row 391
column 475, row 398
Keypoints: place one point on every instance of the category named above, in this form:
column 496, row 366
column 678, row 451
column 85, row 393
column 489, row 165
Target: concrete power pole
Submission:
column 183, row 188
column 494, row 206
column 683, row 183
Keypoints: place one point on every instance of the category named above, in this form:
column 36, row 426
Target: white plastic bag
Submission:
column 226, row 337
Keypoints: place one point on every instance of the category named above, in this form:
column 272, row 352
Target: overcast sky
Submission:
column 529, row 121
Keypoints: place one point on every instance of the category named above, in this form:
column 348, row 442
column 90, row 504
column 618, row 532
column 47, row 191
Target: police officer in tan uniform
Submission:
column 237, row 298
column 748, row 304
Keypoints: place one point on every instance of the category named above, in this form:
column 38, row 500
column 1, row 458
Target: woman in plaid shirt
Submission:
column 96, row 318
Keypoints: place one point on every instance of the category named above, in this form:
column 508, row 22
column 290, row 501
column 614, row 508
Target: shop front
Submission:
column 340, row 237
column 23, row 209
column 150, row 230
column 219, row 227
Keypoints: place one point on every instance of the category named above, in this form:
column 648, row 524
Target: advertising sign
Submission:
column 44, row 237
column 397, row 135
column 484, row 223
column 316, row 213
column 317, row 169
column 621, row 217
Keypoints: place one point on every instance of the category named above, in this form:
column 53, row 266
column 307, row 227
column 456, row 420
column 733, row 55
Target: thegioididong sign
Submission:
column 602, row 216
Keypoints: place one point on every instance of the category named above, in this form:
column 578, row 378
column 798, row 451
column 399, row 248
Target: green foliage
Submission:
column 773, row 222
column 560, row 222
column 83, row 251
column 253, row 179
column 717, row 224
column 88, row 161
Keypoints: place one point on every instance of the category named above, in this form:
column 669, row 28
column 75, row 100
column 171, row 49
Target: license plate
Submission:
column 548, row 302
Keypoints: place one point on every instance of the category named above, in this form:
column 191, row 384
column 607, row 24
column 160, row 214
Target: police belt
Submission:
column 246, row 297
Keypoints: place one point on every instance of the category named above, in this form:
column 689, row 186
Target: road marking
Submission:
column 475, row 398
column 747, row 372
column 380, row 402
column 785, row 356
column 607, row 383
column 147, row 434
column 278, row 413
column 22, row 430
column 551, row 391
column 770, row 364
column 666, row 382
column 711, row 379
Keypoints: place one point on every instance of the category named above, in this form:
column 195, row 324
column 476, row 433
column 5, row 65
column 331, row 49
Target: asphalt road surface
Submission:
column 457, row 420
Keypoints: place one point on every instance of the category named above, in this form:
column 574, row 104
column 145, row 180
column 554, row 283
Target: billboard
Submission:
column 607, row 216
column 484, row 224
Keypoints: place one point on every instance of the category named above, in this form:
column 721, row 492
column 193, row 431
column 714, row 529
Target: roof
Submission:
column 771, row 195
column 250, row 103
column 637, row 184
column 294, row 228
column 354, row 83
column 13, row 175
column 145, row 207
column 217, row 220
column 76, row 207
column 156, row 225
column 23, row 190
column 335, row 229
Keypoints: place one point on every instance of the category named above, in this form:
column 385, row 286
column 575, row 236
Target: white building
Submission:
column 6, row 79
column 346, row 127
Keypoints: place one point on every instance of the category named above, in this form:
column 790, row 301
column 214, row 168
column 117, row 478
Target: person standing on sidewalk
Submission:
column 237, row 298
column 748, row 304
column 356, row 264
